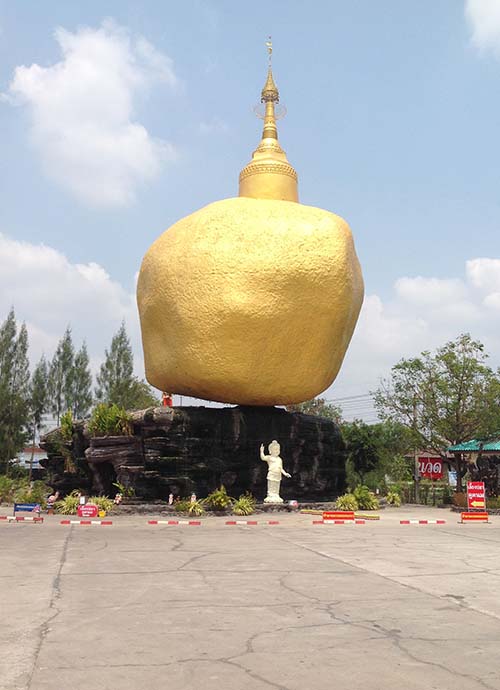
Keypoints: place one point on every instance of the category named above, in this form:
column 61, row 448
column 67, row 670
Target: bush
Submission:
column 110, row 420
column 394, row 499
column 68, row 505
column 62, row 440
column 396, row 488
column 196, row 508
column 447, row 495
column 244, row 505
column 400, row 468
column 126, row 491
column 38, row 493
column 66, row 428
column 7, row 489
column 366, row 499
column 185, row 505
column 102, row 502
column 346, row 502
column 18, row 472
column 218, row 499
column 460, row 499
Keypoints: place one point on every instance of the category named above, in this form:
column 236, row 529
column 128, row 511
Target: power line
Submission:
column 351, row 397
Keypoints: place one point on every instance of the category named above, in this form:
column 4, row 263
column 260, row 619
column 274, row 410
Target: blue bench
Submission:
column 27, row 508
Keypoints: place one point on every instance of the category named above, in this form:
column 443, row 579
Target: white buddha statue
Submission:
column 274, row 473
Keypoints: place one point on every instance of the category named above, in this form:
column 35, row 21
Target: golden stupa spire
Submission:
column 269, row 175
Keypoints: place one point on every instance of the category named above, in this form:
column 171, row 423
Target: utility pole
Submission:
column 416, row 468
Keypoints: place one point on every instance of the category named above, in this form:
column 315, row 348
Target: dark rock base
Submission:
column 187, row 450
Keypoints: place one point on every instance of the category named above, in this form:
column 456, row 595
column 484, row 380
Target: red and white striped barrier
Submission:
column 11, row 518
column 338, row 522
column 422, row 522
column 252, row 522
column 195, row 523
column 86, row 522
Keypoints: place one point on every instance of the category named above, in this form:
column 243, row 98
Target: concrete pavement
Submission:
column 293, row 606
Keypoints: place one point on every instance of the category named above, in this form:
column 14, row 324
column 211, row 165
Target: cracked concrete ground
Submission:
column 251, row 608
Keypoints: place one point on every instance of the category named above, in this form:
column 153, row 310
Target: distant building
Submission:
column 483, row 461
column 24, row 457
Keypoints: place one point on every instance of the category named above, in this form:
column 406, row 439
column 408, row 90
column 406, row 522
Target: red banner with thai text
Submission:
column 476, row 496
column 430, row 468
column 89, row 510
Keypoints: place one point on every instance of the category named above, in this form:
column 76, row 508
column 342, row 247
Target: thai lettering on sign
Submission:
column 476, row 497
column 430, row 468
column 89, row 510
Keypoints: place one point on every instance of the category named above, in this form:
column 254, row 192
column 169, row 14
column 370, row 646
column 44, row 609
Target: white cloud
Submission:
column 493, row 301
column 420, row 314
column 484, row 274
column 49, row 292
column 484, row 18
column 213, row 126
column 81, row 111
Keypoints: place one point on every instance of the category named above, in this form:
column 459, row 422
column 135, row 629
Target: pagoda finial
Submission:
column 269, row 46
column 270, row 91
column 270, row 95
column 269, row 175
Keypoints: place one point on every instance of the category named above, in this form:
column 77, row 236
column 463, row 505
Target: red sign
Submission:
column 430, row 468
column 88, row 510
column 338, row 515
column 476, row 497
column 475, row 517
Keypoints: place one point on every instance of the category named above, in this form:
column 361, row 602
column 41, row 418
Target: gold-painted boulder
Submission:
column 249, row 301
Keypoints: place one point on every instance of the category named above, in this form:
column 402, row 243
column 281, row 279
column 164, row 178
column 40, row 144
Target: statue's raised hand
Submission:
column 261, row 447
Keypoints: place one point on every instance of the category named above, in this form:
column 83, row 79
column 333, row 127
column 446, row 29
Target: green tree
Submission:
column 81, row 381
column 14, row 389
column 39, row 395
column 362, row 446
column 116, row 382
column 395, row 442
column 375, row 451
column 443, row 398
column 319, row 407
column 142, row 395
column 116, row 375
column 61, row 371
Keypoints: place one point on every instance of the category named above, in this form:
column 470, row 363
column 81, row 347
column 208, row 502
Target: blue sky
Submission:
column 128, row 116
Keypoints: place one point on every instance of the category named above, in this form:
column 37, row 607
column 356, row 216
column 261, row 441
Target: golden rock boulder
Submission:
column 249, row 301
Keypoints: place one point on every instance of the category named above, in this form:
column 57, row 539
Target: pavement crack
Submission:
column 291, row 589
column 399, row 643
column 255, row 676
column 54, row 610
column 193, row 559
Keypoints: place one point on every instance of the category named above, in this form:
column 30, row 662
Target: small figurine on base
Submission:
column 274, row 473
column 51, row 501
column 167, row 400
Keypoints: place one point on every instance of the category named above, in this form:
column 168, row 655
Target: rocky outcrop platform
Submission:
column 184, row 450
